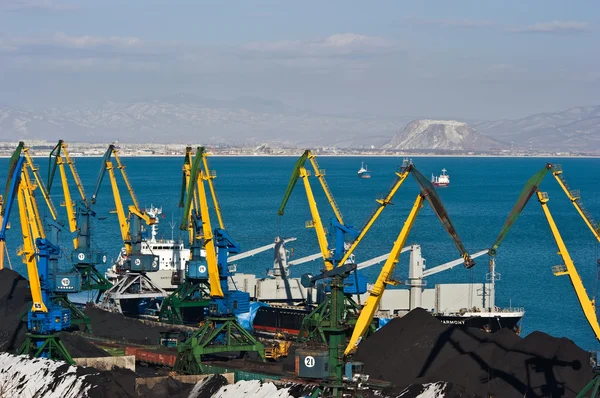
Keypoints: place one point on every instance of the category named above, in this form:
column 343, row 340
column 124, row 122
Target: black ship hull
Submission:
column 490, row 323
column 287, row 320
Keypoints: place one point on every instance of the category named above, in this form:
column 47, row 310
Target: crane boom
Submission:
column 210, row 175
column 320, row 174
column 429, row 193
column 530, row 188
column 368, row 311
column 588, row 306
column 293, row 180
column 575, row 199
column 30, row 232
column 316, row 220
column 40, row 182
column 400, row 177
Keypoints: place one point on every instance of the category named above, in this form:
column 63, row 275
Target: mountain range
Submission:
column 246, row 120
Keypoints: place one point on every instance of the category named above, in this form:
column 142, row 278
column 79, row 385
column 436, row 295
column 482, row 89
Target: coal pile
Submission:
column 417, row 349
column 15, row 300
column 117, row 327
column 79, row 347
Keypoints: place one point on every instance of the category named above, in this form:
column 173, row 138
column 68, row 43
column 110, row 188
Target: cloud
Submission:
column 553, row 27
column 49, row 5
column 343, row 44
column 456, row 23
column 60, row 39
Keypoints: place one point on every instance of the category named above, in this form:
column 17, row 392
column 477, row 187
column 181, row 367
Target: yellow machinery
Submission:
column 330, row 322
column 568, row 268
column 133, row 285
column 48, row 315
column 220, row 332
column 55, row 226
column 278, row 349
column 79, row 214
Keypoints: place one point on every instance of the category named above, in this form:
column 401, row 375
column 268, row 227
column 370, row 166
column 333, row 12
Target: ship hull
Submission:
column 271, row 320
column 489, row 322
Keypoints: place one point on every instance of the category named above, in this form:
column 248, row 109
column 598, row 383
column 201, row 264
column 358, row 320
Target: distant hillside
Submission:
column 184, row 119
column 441, row 135
column 574, row 129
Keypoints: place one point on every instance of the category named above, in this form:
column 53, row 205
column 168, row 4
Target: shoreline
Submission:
column 336, row 156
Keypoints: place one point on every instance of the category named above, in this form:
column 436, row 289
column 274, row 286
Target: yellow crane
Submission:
column 367, row 313
column 587, row 305
column 132, row 283
column 131, row 234
column 48, row 314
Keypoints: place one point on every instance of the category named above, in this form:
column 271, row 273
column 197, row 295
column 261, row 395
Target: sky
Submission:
column 462, row 59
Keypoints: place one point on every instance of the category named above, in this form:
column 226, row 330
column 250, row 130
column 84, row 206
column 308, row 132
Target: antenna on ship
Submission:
column 172, row 225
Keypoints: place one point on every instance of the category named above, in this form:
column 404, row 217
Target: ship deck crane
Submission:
column 385, row 276
column 220, row 332
column 47, row 315
column 133, row 284
column 79, row 214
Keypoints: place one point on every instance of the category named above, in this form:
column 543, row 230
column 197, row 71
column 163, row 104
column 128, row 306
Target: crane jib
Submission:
column 429, row 193
column 529, row 189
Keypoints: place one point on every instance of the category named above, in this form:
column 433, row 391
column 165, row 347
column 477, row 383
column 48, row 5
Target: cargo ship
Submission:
column 276, row 319
column 443, row 180
column 469, row 304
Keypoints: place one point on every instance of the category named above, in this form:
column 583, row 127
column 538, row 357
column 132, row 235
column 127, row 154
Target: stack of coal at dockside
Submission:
column 419, row 349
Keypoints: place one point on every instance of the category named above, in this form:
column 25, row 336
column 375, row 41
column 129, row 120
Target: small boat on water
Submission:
column 442, row 180
column 363, row 172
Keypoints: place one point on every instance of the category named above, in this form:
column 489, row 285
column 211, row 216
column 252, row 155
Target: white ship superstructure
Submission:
column 171, row 252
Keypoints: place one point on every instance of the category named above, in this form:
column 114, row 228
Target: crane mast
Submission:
column 220, row 331
column 133, row 284
column 79, row 214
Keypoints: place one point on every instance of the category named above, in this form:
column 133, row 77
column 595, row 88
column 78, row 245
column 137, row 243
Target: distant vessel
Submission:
column 442, row 180
column 171, row 252
column 363, row 172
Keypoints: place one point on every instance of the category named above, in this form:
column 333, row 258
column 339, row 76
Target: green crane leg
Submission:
column 185, row 296
column 216, row 336
column 51, row 347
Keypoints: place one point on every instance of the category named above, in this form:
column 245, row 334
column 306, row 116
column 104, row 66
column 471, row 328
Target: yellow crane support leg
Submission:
column 320, row 174
column 209, row 242
column 28, row 250
column 210, row 175
column 368, row 312
column 316, row 220
column 382, row 204
column 587, row 305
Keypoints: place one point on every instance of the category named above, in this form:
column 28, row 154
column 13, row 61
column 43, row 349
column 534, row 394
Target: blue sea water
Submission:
column 478, row 200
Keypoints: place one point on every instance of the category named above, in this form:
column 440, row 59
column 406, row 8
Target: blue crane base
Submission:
column 45, row 346
column 218, row 335
column 78, row 317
